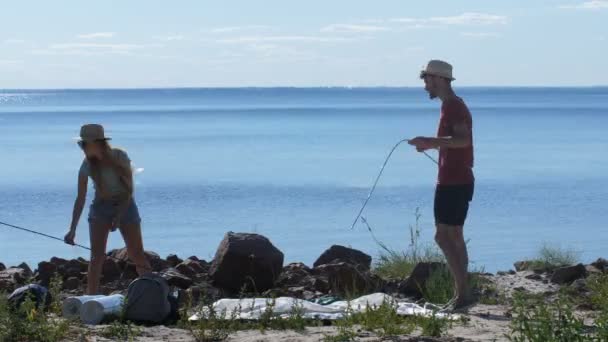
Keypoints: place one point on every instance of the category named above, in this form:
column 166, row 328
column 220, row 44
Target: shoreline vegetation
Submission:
column 551, row 297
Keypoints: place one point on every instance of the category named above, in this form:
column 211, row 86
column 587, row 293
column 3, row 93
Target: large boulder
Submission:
column 338, row 253
column 415, row 284
column 122, row 257
column 46, row 271
column 568, row 274
column 247, row 262
column 2, row 267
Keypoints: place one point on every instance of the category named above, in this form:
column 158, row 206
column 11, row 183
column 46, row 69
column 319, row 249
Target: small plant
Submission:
column 439, row 287
column 433, row 326
column 121, row 331
column 551, row 257
column 395, row 264
column 211, row 327
column 346, row 332
column 383, row 320
column 296, row 319
column 535, row 320
column 29, row 323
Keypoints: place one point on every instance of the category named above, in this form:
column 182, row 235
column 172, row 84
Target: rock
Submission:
column 26, row 268
column 173, row 260
column 175, row 278
column 293, row 275
column 77, row 264
column 345, row 278
column 58, row 261
column 2, row 267
column 512, row 272
column 521, row 266
column 580, row 285
column 46, row 272
column 185, row 270
column 129, row 272
column 601, row 264
column 74, row 268
column 194, row 257
column 11, row 277
column 72, row 283
column 534, row 276
column 246, row 262
column 111, row 270
column 195, row 265
column 501, row 273
column 592, row 269
column 416, row 282
column 568, row 274
column 121, row 255
column 344, row 254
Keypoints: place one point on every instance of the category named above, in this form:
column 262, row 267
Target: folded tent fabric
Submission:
column 253, row 308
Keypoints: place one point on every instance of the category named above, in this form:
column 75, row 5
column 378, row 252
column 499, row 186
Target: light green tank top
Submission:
column 113, row 186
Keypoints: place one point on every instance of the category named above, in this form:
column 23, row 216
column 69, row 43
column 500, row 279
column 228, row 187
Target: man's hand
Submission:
column 69, row 237
column 421, row 143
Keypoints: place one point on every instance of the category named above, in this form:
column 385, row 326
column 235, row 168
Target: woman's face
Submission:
column 92, row 150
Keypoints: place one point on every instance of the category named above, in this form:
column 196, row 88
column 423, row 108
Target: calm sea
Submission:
column 296, row 164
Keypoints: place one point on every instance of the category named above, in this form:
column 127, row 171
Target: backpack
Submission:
column 37, row 293
column 149, row 300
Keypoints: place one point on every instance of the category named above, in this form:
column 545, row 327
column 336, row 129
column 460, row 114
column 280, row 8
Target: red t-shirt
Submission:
column 455, row 164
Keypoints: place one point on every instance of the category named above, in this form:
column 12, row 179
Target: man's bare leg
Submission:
column 460, row 247
column 444, row 239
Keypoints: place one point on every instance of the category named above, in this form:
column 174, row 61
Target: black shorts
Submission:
column 452, row 203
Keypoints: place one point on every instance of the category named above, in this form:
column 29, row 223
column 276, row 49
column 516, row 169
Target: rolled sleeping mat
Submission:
column 97, row 310
column 71, row 306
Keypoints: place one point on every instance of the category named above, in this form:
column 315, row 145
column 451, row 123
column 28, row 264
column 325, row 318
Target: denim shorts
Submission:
column 104, row 211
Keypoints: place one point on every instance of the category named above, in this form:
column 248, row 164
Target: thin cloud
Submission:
column 234, row 29
column 171, row 38
column 88, row 49
column 10, row 62
column 350, row 28
column 96, row 35
column 279, row 39
column 588, row 5
column 14, row 41
column 467, row 18
column 480, row 35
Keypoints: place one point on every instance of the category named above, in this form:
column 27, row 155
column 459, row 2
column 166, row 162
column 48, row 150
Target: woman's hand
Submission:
column 69, row 237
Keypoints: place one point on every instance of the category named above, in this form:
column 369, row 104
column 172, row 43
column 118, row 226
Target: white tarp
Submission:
column 253, row 308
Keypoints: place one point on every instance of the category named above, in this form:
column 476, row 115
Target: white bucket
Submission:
column 96, row 310
column 71, row 305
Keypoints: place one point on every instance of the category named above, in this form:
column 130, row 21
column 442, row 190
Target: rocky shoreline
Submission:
column 250, row 265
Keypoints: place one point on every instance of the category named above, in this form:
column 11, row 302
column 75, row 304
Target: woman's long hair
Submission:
column 123, row 170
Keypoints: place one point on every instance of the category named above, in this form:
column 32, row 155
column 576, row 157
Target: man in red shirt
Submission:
column 455, row 180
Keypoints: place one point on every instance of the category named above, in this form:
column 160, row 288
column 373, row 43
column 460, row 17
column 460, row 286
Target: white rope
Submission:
column 371, row 192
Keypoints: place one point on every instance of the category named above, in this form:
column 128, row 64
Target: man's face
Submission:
column 430, row 85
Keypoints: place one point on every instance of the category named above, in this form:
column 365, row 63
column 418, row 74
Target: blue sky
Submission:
column 73, row 44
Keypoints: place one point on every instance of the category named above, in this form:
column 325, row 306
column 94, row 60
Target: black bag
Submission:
column 37, row 293
column 149, row 300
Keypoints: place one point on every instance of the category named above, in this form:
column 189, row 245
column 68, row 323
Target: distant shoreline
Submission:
column 539, row 87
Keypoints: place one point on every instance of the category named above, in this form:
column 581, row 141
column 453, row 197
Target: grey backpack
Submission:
column 148, row 299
